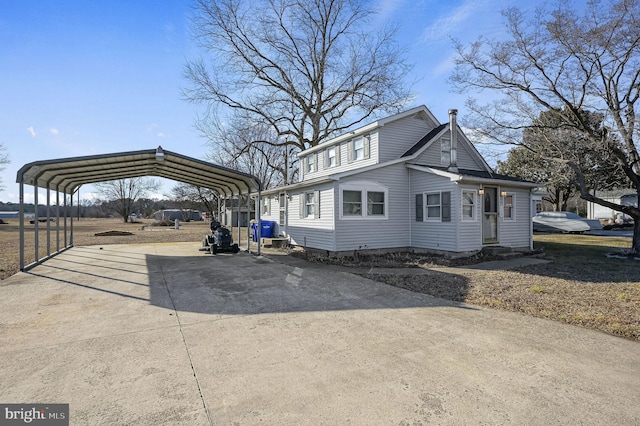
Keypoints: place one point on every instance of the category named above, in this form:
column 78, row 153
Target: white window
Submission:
column 364, row 200
column 433, row 206
column 310, row 205
column 445, row 151
column 351, row 203
column 437, row 206
column 375, row 203
column 508, row 203
column 266, row 205
column 468, row 205
column 310, row 162
column 332, row 157
column 358, row 148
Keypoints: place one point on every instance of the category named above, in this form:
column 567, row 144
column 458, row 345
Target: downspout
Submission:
column 411, row 212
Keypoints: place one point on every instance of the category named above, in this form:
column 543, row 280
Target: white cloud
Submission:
column 161, row 135
column 445, row 66
column 31, row 131
column 386, row 8
column 54, row 131
column 448, row 24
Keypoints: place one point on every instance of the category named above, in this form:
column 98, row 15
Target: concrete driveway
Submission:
column 164, row 334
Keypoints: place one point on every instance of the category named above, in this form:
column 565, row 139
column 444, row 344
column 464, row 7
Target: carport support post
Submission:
column 65, row 216
column 48, row 221
column 258, row 207
column 239, row 203
column 57, row 218
column 248, row 222
column 21, row 214
column 36, row 220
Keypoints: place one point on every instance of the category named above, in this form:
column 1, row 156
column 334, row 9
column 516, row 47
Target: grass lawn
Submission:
column 580, row 286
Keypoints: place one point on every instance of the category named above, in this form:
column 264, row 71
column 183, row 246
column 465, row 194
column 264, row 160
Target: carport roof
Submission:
column 67, row 174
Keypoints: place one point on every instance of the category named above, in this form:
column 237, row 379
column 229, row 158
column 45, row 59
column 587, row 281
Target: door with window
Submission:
column 490, row 215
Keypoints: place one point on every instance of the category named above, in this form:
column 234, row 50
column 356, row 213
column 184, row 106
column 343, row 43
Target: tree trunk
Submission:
column 635, row 244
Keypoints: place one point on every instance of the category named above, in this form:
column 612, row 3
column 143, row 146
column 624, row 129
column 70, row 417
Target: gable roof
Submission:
column 425, row 140
column 67, row 174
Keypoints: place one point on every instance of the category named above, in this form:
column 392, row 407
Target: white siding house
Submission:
column 405, row 182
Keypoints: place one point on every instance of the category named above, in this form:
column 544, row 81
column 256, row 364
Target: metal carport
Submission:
column 66, row 175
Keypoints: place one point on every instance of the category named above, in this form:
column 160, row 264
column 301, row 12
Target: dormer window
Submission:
column 332, row 156
column 310, row 163
column 358, row 148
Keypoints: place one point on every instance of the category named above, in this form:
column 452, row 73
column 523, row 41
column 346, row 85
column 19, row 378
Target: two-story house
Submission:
column 405, row 182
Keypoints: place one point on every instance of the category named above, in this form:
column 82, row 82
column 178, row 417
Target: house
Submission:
column 231, row 208
column 607, row 215
column 402, row 183
column 173, row 214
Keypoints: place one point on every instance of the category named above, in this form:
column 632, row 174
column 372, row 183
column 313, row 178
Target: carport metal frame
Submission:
column 66, row 175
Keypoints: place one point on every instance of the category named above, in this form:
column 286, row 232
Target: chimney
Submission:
column 453, row 131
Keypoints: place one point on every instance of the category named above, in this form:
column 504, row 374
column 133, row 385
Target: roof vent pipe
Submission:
column 453, row 131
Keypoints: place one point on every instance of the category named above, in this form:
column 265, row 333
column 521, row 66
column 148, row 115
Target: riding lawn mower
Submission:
column 220, row 240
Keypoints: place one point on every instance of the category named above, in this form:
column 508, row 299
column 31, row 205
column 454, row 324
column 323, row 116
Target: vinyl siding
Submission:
column 373, row 233
column 399, row 136
column 516, row 233
column 465, row 158
column 469, row 231
column 434, row 235
column 317, row 233
column 274, row 212
column 345, row 165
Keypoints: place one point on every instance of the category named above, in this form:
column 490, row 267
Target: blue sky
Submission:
column 91, row 77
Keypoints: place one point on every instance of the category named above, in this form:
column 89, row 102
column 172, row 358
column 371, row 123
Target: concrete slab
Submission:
column 164, row 334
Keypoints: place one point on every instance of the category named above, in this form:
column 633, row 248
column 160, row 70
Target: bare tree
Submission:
column 124, row 193
column 546, row 142
column 248, row 146
column 564, row 63
column 188, row 196
column 4, row 160
column 307, row 69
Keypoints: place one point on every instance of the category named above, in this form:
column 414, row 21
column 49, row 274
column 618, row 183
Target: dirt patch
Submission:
column 581, row 286
column 113, row 233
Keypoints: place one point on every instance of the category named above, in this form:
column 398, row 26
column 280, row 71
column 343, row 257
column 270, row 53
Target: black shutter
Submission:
column 446, row 206
column 419, row 208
